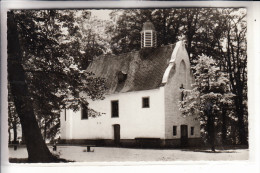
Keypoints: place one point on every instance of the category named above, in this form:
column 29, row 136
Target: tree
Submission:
column 93, row 40
column 210, row 92
column 37, row 149
column 219, row 33
column 190, row 25
column 43, row 53
column 125, row 34
column 13, row 121
column 235, row 57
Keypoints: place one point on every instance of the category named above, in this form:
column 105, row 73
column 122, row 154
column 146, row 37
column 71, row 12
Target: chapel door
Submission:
column 116, row 134
column 184, row 135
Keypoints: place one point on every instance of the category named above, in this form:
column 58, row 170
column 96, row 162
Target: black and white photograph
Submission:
column 108, row 85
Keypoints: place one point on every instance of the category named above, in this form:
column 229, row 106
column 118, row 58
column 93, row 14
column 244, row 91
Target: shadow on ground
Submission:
column 208, row 151
column 219, row 149
column 18, row 160
column 25, row 160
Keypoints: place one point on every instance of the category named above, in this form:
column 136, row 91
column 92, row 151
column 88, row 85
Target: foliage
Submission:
column 13, row 120
column 219, row 33
column 235, row 63
column 93, row 41
column 210, row 92
column 125, row 34
column 36, row 147
column 57, row 47
column 52, row 58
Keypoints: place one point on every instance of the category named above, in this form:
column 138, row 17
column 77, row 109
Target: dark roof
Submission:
column 148, row 26
column 141, row 73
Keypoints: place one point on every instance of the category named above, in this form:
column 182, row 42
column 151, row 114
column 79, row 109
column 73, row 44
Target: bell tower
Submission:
column 148, row 35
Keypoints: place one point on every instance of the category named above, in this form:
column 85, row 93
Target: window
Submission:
column 174, row 130
column 146, row 103
column 183, row 72
column 114, row 109
column 84, row 112
column 182, row 92
column 192, row 131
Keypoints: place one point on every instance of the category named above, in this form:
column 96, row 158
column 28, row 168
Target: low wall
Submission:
column 136, row 143
column 97, row 142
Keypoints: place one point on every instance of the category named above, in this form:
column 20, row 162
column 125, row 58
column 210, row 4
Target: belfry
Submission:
column 148, row 35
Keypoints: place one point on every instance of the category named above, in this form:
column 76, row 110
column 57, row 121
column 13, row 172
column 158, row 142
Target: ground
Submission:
column 109, row 154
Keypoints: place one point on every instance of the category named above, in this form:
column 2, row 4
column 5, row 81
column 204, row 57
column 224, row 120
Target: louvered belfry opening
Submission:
column 148, row 35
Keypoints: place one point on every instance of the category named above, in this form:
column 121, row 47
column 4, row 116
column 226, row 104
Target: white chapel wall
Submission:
column 179, row 74
column 134, row 120
column 66, row 128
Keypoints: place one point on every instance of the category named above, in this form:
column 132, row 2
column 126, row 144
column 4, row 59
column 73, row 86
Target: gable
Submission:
column 179, row 62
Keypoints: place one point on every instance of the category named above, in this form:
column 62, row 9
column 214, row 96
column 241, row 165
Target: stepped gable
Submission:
column 130, row 72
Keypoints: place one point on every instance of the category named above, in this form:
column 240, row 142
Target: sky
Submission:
column 101, row 14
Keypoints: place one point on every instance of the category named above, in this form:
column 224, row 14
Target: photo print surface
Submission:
column 118, row 85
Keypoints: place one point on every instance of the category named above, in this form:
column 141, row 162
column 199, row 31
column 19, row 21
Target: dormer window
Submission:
column 121, row 76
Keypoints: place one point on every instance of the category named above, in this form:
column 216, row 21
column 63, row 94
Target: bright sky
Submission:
column 101, row 14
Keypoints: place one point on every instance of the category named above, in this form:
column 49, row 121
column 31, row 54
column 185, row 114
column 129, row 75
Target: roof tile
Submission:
column 142, row 73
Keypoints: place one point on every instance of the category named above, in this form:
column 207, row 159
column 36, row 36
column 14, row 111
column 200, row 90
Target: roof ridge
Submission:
column 134, row 51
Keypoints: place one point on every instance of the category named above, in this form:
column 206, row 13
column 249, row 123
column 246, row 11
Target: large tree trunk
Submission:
column 36, row 147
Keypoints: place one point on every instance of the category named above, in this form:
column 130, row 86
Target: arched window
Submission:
column 182, row 92
column 183, row 73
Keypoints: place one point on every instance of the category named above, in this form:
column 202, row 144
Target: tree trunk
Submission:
column 45, row 130
column 211, row 132
column 15, row 132
column 241, row 123
column 210, row 126
column 224, row 126
column 36, row 147
column 23, row 139
column 9, row 136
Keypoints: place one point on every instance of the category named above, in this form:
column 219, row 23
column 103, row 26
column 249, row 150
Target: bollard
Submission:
column 15, row 147
column 54, row 147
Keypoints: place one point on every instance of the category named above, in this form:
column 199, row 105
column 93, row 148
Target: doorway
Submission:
column 184, row 135
column 116, row 134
